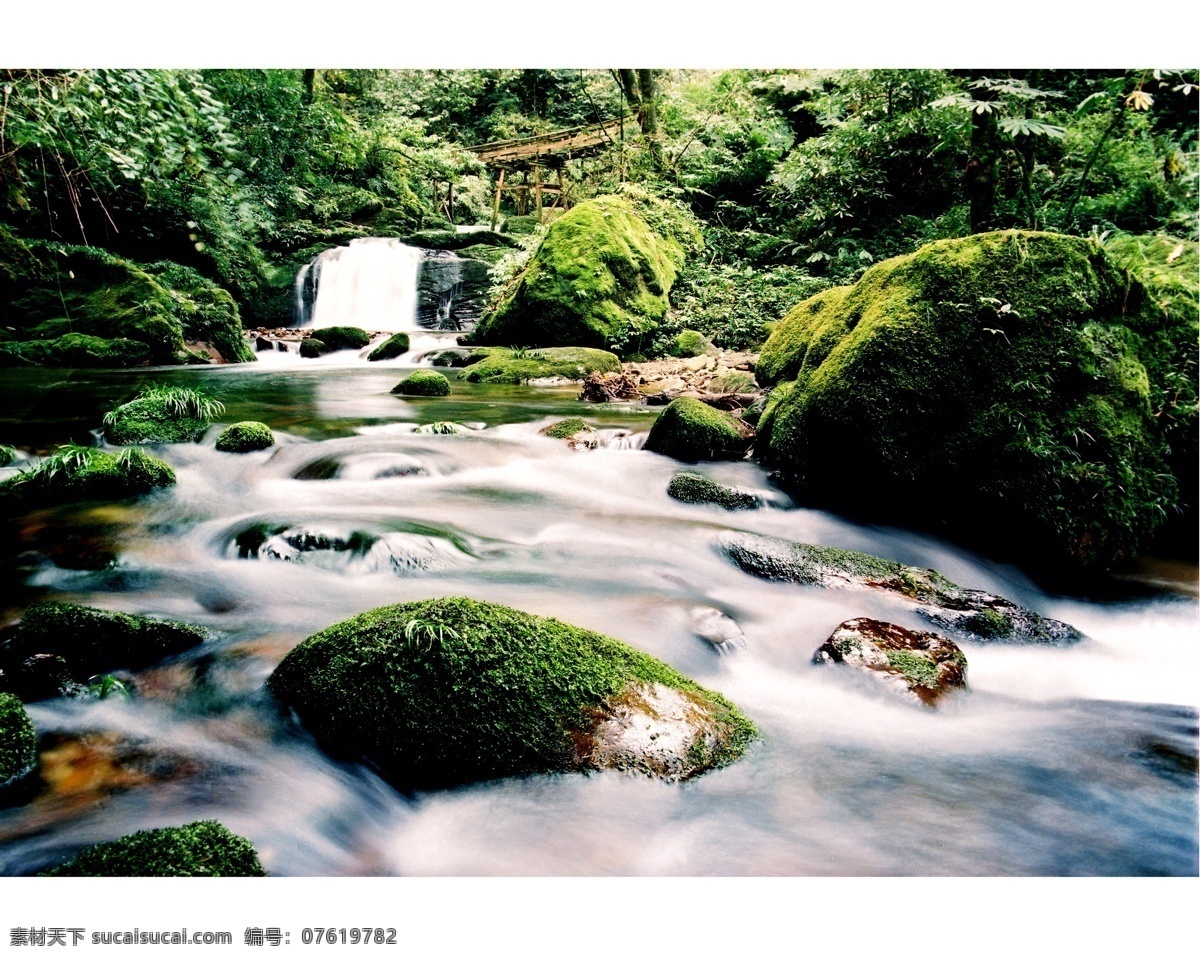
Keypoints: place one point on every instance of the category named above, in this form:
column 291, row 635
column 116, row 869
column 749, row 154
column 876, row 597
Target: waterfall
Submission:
column 372, row 283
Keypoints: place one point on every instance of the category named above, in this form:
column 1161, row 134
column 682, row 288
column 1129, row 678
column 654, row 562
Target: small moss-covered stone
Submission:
column 18, row 742
column 690, row 430
column 201, row 849
column 565, row 429
column 93, row 641
column 311, row 348
column 391, row 348
column 96, row 474
column 450, row 691
column 245, row 436
column 974, row 615
column 693, row 488
column 341, row 338
column 161, row 415
column 689, row 343
column 423, row 383
column 8, row 455
column 521, row 366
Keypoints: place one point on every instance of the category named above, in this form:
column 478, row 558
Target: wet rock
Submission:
column 973, row 615
column 161, row 415
column 691, row 430
column 262, row 343
column 341, row 338
column 311, row 348
column 18, row 742
column 202, row 849
column 40, row 677
column 391, row 348
column 575, row 430
column 89, row 474
column 452, row 691
column 718, row 629
column 917, row 664
column 693, row 488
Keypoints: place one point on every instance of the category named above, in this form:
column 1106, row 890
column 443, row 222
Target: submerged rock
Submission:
column 245, row 436
column 1014, row 389
column 201, row 849
column 93, row 641
column 451, row 691
column 718, row 629
column 575, row 430
column 693, row 488
column 391, row 348
column 18, row 742
column 968, row 614
column 550, row 363
column 311, row 348
column 688, row 429
column 89, row 473
column 918, row 664
column 423, row 383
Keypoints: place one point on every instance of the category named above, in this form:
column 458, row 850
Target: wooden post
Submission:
column 562, row 190
column 496, row 202
column 450, row 202
column 537, row 190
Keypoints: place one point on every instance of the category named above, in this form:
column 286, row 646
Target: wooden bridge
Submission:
column 533, row 155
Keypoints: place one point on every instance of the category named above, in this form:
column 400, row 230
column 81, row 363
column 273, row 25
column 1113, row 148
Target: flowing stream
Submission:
column 1057, row 761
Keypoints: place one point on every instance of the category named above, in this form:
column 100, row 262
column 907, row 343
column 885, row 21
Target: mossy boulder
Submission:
column 245, row 436
column 54, row 290
column 391, row 348
column 450, row 691
column 311, row 348
column 688, row 429
column 689, row 343
column 94, row 641
column 974, row 615
column 694, row 488
column 600, row 277
column 341, row 338
column 423, row 383
column 521, row 366
column 453, row 240
column 1006, row 388
column 201, row 849
column 18, row 742
column 575, row 430
column 919, row 665
column 89, row 474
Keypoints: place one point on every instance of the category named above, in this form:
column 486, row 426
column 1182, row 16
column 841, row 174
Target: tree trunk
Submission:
column 310, row 79
column 982, row 165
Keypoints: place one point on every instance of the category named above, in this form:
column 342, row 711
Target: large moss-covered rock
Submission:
column 93, row 641
column 89, row 474
column 599, row 278
column 974, row 615
column 450, row 691
column 1007, row 387
column 423, row 383
column 341, row 338
column 161, row 415
column 688, row 429
column 245, row 436
column 201, row 849
column 55, row 290
column 521, row 366
column 391, row 348
column 18, row 742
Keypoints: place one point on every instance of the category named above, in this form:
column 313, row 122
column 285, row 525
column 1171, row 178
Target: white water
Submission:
column 372, row 283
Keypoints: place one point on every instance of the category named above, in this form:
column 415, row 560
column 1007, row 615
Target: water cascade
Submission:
column 372, row 283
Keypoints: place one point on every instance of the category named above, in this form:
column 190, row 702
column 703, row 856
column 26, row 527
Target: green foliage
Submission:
column 103, row 686
column 423, row 383
column 8, row 455
column 162, row 414
column 201, row 849
column 18, row 741
column 245, row 436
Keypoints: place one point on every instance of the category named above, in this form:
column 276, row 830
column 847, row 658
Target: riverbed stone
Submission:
column 919, row 665
column 575, row 430
column 717, row 628
column 18, row 742
column 694, row 488
column 201, row 849
column 244, row 437
column 974, row 615
column 391, row 348
column 442, row 692
column 689, row 429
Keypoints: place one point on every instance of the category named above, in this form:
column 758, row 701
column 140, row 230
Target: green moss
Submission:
column 93, row 641
column 8, row 455
column 693, row 488
column 245, row 436
column 442, row 428
column 161, row 414
column 565, row 429
column 341, row 338
column 916, row 667
column 1000, row 386
column 520, row 366
column 453, row 240
column 689, row 343
column 18, row 742
column 311, row 347
column 690, row 430
column 599, row 278
column 990, row 623
column 75, row 350
column 423, row 383
column 86, row 473
column 448, row 691
column 201, row 849
column 207, row 312
column 391, row 348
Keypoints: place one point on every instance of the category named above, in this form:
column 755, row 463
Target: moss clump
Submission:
column 1008, row 388
column 693, row 488
column 201, row 849
column 599, row 278
column 520, row 366
column 689, row 343
column 311, row 348
column 459, row 358
column 8, row 455
column 442, row 428
column 991, row 624
column 450, row 691
column 75, row 350
column 690, row 430
column 93, row 641
column 391, row 348
column 341, row 338
column 161, row 414
column 423, row 383
column 245, row 436
column 565, row 429
column 18, row 742
column 519, row 226
column 85, row 473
